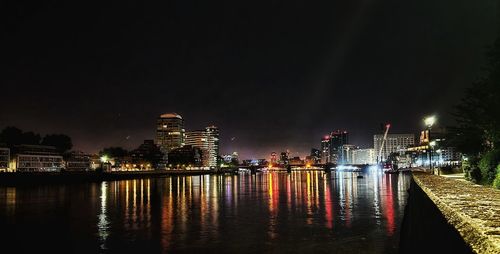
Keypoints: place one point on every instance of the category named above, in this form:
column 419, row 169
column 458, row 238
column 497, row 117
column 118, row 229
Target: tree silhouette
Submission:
column 60, row 141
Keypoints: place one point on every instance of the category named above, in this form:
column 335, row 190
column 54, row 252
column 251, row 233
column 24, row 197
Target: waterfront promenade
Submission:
column 473, row 210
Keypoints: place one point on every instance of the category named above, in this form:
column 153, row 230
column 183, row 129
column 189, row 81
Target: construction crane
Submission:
column 387, row 127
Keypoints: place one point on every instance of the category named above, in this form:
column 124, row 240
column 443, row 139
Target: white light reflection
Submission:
column 103, row 227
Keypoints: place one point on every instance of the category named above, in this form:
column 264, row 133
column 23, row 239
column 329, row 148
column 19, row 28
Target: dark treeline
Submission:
column 13, row 136
column 477, row 133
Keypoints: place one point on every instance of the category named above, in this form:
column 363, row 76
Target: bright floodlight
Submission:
column 104, row 158
column 429, row 121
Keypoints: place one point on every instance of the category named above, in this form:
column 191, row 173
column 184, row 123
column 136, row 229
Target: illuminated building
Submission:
column 170, row 133
column 337, row 140
column 284, row 158
column 363, row 156
column 345, row 154
column 395, row 143
column 331, row 145
column 255, row 162
column 316, row 155
column 148, row 153
column 231, row 158
column 4, row 159
column 441, row 153
column 296, row 161
column 325, row 149
column 77, row 161
column 208, row 141
column 274, row 158
column 36, row 158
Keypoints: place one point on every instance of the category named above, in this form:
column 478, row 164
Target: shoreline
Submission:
column 28, row 178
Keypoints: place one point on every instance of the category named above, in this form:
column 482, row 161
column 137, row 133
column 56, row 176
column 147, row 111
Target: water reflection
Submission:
column 103, row 224
column 272, row 212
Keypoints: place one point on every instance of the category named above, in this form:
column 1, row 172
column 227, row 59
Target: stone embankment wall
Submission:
column 450, row 216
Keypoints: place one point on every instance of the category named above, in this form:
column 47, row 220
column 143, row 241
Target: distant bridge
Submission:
column 258, row 168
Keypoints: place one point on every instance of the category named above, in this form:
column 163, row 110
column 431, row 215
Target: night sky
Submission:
column 271, row 75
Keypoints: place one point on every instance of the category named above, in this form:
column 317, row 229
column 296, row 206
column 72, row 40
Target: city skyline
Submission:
column 271, row 77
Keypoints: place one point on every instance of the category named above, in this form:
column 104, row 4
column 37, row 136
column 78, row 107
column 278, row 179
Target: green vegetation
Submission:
column 496, row 182
column 477, row 134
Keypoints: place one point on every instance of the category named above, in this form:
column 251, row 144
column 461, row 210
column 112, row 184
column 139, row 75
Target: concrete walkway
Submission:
column 472, row 209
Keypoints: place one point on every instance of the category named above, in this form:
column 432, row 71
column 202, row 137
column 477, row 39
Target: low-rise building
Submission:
column 296, row 161
column 186, row 156
column 4, row 159
column 150, row 154
column 36, row 158
column 78, row 161
column 363, row 156
column 345, row 154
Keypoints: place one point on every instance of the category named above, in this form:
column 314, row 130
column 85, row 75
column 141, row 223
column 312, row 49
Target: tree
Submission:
column 12, row 136
column 477, row 134
column 60, row 141
column 478, row 114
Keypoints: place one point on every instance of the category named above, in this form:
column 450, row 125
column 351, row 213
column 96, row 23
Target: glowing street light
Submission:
column 104, row 159
column 430, row 121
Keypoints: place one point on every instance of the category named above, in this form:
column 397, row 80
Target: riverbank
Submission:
column 23, row 178
column 471, row 214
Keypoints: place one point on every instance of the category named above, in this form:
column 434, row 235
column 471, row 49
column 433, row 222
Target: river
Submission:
column 273, row 212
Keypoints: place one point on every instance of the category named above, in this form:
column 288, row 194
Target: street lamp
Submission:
column 429, row 122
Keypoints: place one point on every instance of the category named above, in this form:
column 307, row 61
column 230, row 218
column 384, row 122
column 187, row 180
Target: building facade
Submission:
column 78, row 161
column 208, row 141
column 186, row 156
column 170, row 132
column 148, row 153
column 315, row 155
column 363, row 156
column 345, row 154
column 395, row 143
column 36, row 158
column 325, row 149
column 284, row 158
column 4, row 159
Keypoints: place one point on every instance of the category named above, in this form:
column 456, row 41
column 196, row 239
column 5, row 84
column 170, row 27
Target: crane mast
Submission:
column 387, row 127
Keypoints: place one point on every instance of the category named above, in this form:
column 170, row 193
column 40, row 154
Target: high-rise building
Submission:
column 325, row 149
column 284, row 158
column 315, row 155
column 208, row 141
column 363, row 156
column 331, row 144
column 338, row 138
column 170, row 132
column 394, row 143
